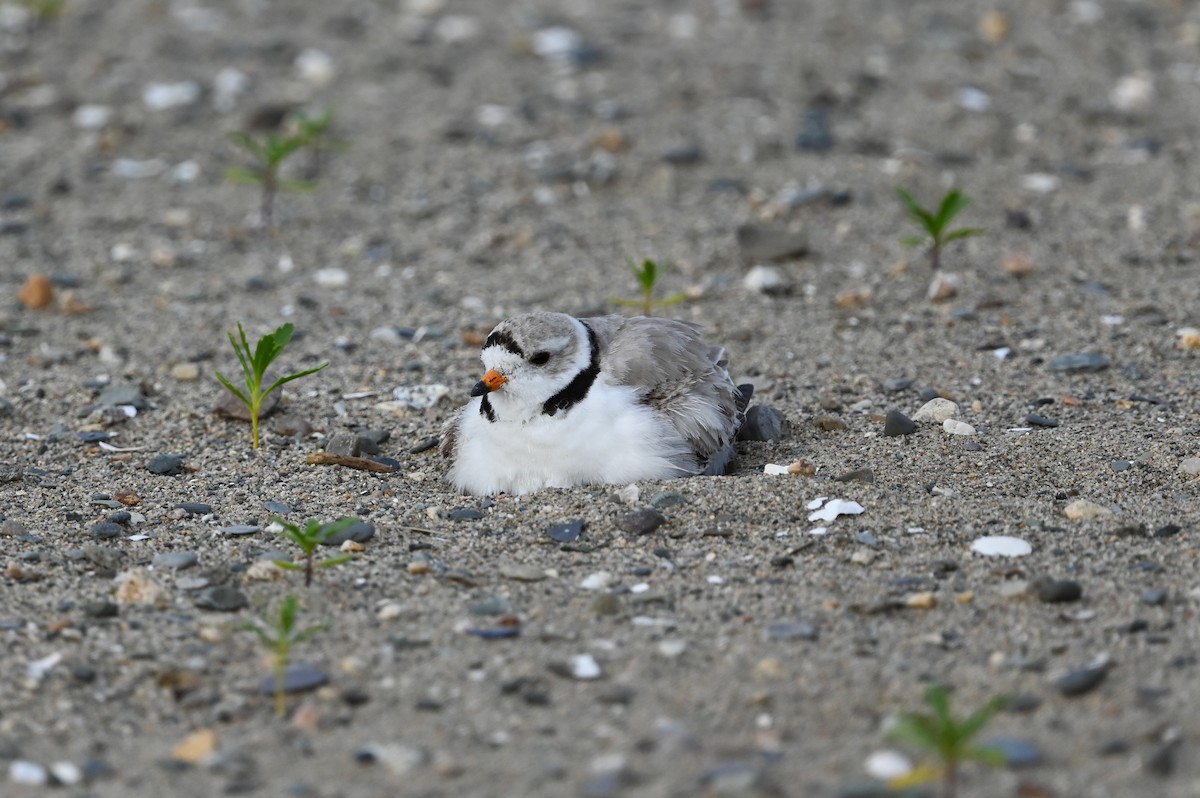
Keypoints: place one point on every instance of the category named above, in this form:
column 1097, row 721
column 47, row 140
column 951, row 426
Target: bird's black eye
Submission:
column 540, row 358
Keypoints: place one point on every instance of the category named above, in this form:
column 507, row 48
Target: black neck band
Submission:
column 578, row 388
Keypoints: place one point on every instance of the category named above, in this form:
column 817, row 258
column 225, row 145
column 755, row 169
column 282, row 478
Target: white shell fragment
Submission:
column 1001, row 546
column 775, row 470
column 420, row 397
column 887, row 765
column 834, row 508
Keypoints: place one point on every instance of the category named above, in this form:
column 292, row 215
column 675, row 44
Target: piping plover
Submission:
column 567, row 401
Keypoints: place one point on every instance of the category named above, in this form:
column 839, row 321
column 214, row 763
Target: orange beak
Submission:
column 490, row 382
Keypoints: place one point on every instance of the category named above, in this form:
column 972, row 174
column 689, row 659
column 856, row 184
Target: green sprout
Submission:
column 268, row 154
column 254, row 367
column 44, row 10
column 315, row 132
column 647, row 276
column 308, row 537
column 279, row 635
column 934, row 224
column 947, row 738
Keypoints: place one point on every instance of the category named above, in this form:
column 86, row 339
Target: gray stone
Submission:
column 1018, row 753
column 342, row 443
column 1081, row 680
column 1079, row 362
column 1038, row 420
column 165, row 464
column 221, row 598
column 1054, row 591
column 668, row 498
column 466, row 514
column 567, row 532
column 298, row 678
column 237, row 530
column 792, row 630
column 857, row 475
column 175, row 560
column 764, row 423
column 1121, row 465
column 106, row 530
column 896, row 424
column 759, row 242
column 1155, row 597
column 640, row 522
column 279, row 508
column 360, row 532
column 122, row 394
column 195, row 508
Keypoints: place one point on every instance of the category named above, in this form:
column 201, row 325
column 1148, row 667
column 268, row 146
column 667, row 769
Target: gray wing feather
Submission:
column 680, row 375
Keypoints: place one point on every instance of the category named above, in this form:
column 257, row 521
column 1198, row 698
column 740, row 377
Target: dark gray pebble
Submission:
column 1038, row 420
column 1161, row 760
column 759, row 242
column 764, row 423
column 857, row 475
column 221, row 598
column 83, row 673
column 120, row 517
column 1021, row 702
column 1167, row 531
column 355, row 696
column 1081, row 680
column 299, row 678
column 867, row 539
column 466, row 514
column 641, row 522
column 668, row 498
column 175, row 560
column 973, row 446
column 165, row 464
column 896, row 424
column 101, row 609
column 122, row 394
column 897, row 384
column 425, row 445
column 1054, row 591
column 1018, row 753
column 925, row 394
column 195, row 508
column 1155, row 597
column 343, row 443
column 106, row 530
column 1079, row 362
column 684, row 155
column 1121, row 465
column 360, row 532
column 93, row 436
column 815, row 134
column 792, row 630
column 567, row 532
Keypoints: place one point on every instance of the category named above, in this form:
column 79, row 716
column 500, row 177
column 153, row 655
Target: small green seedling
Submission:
column 44, row 10
column 254, row 367
column 317, row 139
column 947, row 738
column 268, row 154
column 647, row 276
column 935, row 234
column 308, row 537
column 279, row 635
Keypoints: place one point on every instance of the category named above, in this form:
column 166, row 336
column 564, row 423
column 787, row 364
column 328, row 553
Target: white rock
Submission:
column 457, row 28
column 228, row 86
column 556, row 43
column 332, row 277
column 772, row 469
column 315, row 67
column 600, row 580
column 1190, row 465
column 835, row 507
column 936, row 411
column 630, row 493
column 817, row 502
column 67, row 773
column 164, row 96
column 22, row 771
column 1132, row 93
column 956, row 427
column 90, row 116
column 1084, row 510
column 973, row 99
column 1001, row 546
column 421, row 397
column 493, row 116
column 672, row 649
column 887, row 765
column 715, row 579
column 1040, row 182
column 585, row 667
column 765, row 280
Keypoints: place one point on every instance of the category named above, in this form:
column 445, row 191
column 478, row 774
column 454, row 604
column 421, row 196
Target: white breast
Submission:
column 607, row 438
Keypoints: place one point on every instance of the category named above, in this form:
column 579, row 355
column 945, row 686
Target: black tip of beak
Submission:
column 480, row 389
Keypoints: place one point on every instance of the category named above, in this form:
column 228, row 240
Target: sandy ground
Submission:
column 497, row 165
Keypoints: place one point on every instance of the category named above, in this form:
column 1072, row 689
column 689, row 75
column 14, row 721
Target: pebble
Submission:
column 1121, row 465
column 106, row 530
column 175, row 560
column 22, row 771
column 279, row 508
column 767, row 280
column 684, row 155
column 238, row 530
column 121, row 394
column 887, row 765
column 37, row 292
column 185, row 372
column 759, row 242
column 1001, row 546
column 1155, row 597
column 600, row 580
column 398, row 758
column 1038, row 420
column 1190, row 465
column 896, row 423
column 829, row 424
column 936, row 410
column 1054, row 591
column 1081, row 681
column 865, row 475
column 297, row 678
column 956, row 427
column 163, row 96
column 135, row 587
column 358, row 532
column 567, row 532
column 1080, row 362
column 944, row 286
column 165, row 464
column 195, row 508
column 897, row 384
column 640, row 522
column 221, row 598
column 466, row 514
column 520, row 572
column 792, row 630
column 764, row 423
column 815, row 134
column 585, row 668
column 668, row 498
column 1018, row 753
column 1167, row 531
column 1084, row 510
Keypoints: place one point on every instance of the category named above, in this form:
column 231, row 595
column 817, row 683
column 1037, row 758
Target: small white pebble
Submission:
column 956, row 427
column 332, row 277
column 585, row 667
column 23, row 771
column 600, row 580
column 887, row 765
